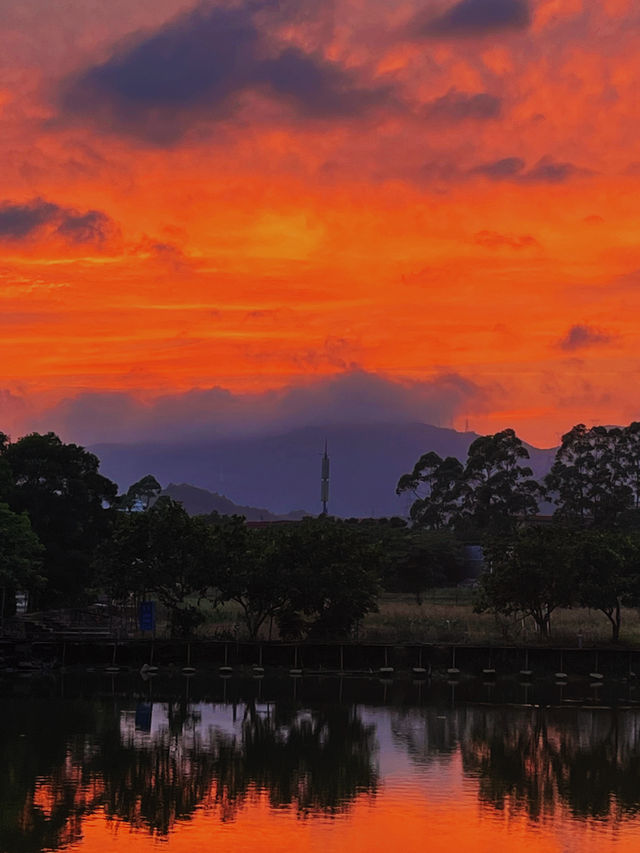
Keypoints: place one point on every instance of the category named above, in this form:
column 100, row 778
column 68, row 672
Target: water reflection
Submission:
column 535, row 760
column 154, row 764
column 45, row 786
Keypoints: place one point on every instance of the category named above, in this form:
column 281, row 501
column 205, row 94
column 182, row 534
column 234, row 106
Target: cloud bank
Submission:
column 354, row 397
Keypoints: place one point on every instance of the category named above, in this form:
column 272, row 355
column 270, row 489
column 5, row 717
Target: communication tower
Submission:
column 324, row 481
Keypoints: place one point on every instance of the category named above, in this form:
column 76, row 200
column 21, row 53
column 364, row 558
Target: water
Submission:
column 101, row 764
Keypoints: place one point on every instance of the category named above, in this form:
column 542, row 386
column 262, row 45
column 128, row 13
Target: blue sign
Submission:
column 144, row 710
column 147, row 615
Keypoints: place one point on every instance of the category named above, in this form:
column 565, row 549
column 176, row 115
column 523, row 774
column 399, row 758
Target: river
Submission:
column 96, row 763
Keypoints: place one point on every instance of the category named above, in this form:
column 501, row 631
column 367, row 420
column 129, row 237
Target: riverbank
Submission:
column 385, row 660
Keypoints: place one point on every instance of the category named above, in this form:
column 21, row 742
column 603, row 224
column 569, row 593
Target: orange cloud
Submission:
column 355, row 192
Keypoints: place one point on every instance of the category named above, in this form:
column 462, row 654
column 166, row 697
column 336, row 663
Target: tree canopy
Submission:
column 595, row 478
column 66, row 498
column 491, row 492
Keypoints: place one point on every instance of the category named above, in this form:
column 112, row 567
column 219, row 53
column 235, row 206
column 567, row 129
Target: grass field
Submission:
column 446, row 616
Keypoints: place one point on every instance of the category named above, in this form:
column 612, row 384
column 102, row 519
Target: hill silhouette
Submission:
column 282, row 472
column 199, row 501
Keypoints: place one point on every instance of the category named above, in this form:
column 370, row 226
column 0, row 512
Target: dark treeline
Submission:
column 67, row 537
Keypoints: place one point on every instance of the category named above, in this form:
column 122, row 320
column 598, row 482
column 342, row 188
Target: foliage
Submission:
column 164, row 552
column 337, row 581
column 438, row 486
column 499, row 491
column 140, row 494
column 252, row 571
column 314, row 578
column 20, row 554
column 422, row 559
column 529, row 574
column 59, row 487
column 489, row 494
column 605, row 568
column 595, row 478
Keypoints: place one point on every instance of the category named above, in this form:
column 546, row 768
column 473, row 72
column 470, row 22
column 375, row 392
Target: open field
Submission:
column 446, row 616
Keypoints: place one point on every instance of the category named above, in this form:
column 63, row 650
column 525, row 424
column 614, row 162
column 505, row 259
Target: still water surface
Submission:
column 117, row 764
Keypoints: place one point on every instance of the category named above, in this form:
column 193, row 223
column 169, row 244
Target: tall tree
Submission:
column 500, row 490
column 315, row 577
column 630, row 462
column 491, row 493
column 164, row 552
column 336, row 579
column 605, row 567
column 60, row 488
column 262, row 579
column 592, row 478
column 140, row 494
column 438, row 487
column 529, row 574
column 20, row 556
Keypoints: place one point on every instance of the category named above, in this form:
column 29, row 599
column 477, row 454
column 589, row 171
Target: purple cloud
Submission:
column 545, row 171
column 21, row 220
column 582, row 337
column 476, row 17
column 198, row 66
column 507, row 168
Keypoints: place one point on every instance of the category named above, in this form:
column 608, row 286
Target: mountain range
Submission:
column 282, row 472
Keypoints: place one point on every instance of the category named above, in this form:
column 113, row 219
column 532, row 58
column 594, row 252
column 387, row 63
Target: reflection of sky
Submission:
column 396, row 766
column 205, row 719
column 441, row 777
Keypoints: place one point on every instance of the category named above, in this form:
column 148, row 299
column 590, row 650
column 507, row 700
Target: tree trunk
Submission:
column 614, row 614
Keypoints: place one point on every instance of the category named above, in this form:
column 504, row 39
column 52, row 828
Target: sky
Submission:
column 415, row 208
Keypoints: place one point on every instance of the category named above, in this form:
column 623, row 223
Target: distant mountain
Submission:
column 283, row 471
column 202, row 502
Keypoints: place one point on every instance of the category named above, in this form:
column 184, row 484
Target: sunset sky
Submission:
column 383, row 208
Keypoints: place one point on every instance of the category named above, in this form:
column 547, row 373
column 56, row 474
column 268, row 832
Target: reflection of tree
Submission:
column 71, row 763
column 319, row 761
column 514, row 760
column 44, row 741
column 154, row 787
column 535, row 759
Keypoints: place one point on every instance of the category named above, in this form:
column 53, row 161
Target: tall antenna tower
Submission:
column 324, row 480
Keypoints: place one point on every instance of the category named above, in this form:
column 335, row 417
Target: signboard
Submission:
column 22, row 602
column 147, row 616
column 144, row 711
